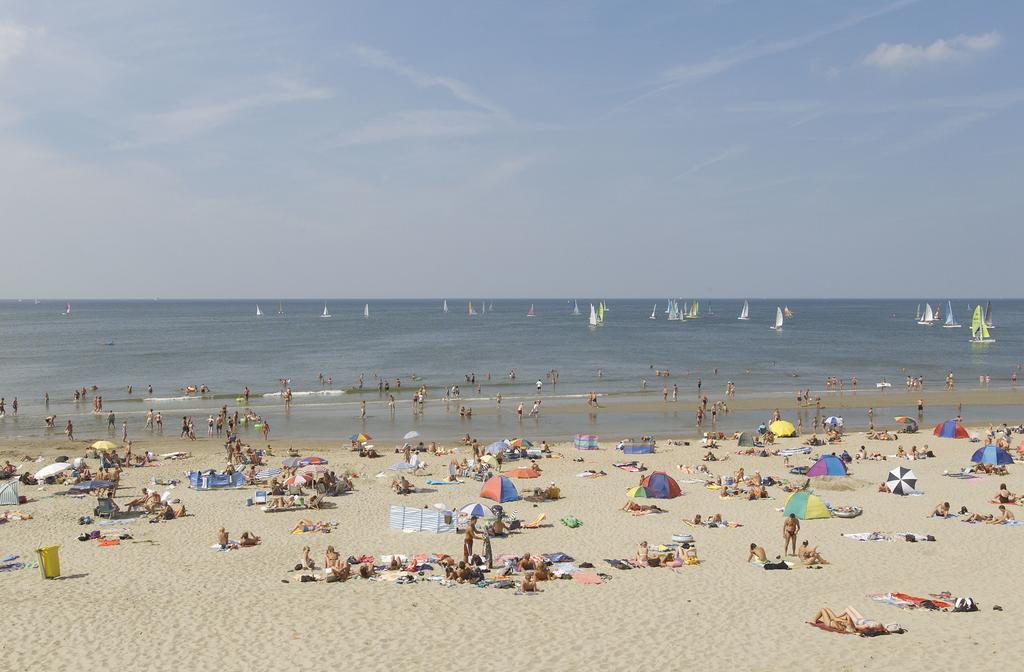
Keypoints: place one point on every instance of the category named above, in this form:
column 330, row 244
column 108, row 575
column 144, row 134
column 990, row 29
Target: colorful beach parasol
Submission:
column 298, row 479
column 311, row 459
column 901, row 481
column 639, row 491
column 474, row 509
column 520, row 443
column 361, row 438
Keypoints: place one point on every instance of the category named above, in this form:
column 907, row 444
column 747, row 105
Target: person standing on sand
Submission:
column 468, row 538
column 871, row 418
column 790, row 529
column 69, row 429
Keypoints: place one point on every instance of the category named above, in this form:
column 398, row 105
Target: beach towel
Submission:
column 444, row 482
column 868, row 536
column 587, row 578
column 557, row 557
column 785, row 564
column 618, row 564
column 571, row 522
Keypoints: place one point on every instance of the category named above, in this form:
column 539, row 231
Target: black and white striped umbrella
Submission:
column 901, row 481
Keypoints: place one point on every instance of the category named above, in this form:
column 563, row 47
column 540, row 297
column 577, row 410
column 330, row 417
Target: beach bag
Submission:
column 965, row 604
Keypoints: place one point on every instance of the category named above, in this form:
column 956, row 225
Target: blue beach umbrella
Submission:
column 497, row 447
column 474, row 509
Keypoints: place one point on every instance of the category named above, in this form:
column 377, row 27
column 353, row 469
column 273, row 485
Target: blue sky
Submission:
column 713, row 148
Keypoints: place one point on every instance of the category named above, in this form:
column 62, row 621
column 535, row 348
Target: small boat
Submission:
column 988, row 315
column 483, row 307
column 928, row 317
column 778, row 319
column 745, row 312
column 325, row 314
column 575, row 307
column 917, row 316
column 259, row 313
column 472, row 310
column 366, row 311
column 694, row 311
column 592, row 321
column 600, row 313
column 280, row 308
column 654, row 312
column 67, row 311
column 444, row 306
column 673, row 311
column 787, row 312
column 979, row 330
column 950, row 323
column 530, row 312
column 490, row 307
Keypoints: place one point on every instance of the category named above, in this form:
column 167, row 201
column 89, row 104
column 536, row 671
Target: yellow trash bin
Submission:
column 49, row 561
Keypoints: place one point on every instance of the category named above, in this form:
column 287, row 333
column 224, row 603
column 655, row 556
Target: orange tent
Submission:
column 523, row 473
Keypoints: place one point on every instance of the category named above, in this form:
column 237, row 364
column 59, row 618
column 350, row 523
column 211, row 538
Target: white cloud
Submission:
column 904, row 55
column 459, row 89
column 13, row 38
column 191, row 120
column 419, row 124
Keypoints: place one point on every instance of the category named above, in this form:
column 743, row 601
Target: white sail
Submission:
column 530, row 312
column 917, row 316
column 745, row 313
column 988, row 315
column 259, row 313
column 654, row 312
column 593, row 316
column 778, row 319
column 325, row 313
column 67, row 310
column 928, row 317
column 491, row 307
column 950, row 322
column 366, row 311
column 575, row 307
column 444, row 306
column 280, row 308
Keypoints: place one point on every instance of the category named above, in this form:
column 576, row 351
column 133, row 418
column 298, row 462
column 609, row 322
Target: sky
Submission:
column 810, row 148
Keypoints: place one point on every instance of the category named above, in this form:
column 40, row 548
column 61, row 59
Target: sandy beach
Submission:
column 165, row 595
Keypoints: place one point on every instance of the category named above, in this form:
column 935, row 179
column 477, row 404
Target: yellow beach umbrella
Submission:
column 782, row 428
column 491, row 460
column 104, row 445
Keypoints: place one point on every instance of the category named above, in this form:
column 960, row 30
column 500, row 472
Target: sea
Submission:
column 171, row 344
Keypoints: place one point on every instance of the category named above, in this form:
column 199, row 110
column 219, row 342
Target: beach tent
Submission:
column 909, row 424
column 950, row 429
column 661, row 485
column 806, row 506
column 901, row 481
column 210, row 480
column 523, row 473
column 746, row 439
column 500, row 489
column 991, row 455
column 585, row 442
column 497, row 447
column 639, row 491
column 9, row 493
column 636, row 447
column 782, row 428
column 829, row 465
column 413, row 519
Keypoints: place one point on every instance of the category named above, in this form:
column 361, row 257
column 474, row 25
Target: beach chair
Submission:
column 105, row 508
column 259, row 497
column 535, row 523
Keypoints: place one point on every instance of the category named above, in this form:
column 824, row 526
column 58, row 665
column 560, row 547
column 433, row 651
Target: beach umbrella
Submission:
column 311, row 459
column 500, row 489
column 411, row 435
column 991, row 455
column 639, row 491
column 806, row 506
column 661, row 485
column 782, row 428
column 497, row 447
column 361, row 438
column 268, row 473
column 950, row 429
column 474, row 509
column 290, row 461
column 104, row 445
column 909, row 424
column 901, row 481
column 298, row 479
column 314, row 470
column 52, row 470
column 834, row 420
column 520, row 443
column 523, row 473
column 490, row 460
column 829, row 465
column 86, row 486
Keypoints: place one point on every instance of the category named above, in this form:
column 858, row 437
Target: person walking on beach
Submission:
column 519, row 411
column 184, row 427
column 14, row 406
column 664, row 393
column 266, row 429
column 69, row 429
column 111, row 421
column 362, row 410
column 124, row 432
column 790, row 528
column 871, row 418
column 159, row 422
column 675, row 392
column 468, row 538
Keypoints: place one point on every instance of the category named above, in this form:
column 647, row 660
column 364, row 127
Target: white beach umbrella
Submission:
column 411, row 435
column 51, row 470
column 901, row 481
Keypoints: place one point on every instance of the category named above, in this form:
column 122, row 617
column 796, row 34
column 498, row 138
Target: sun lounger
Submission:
column 535, row 523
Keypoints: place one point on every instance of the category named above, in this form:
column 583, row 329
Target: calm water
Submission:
column 171, row 344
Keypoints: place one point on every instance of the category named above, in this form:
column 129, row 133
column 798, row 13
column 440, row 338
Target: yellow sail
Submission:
column 600, row 312
column 976, row 321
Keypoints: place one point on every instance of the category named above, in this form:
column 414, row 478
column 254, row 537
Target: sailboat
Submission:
column 444, row 306
column 668, row 306
column 979, row 330
column 600, row 313
column 917, row 316
column 673, row 310
column 654, row 313
column 950, row 322
column 575, row 307
column 593, row 316
column 988, row 315
column 483, row 307
column 325, row 314
column 472, row 311
column 259, row 313
column 778, row 319
column 694, row 312
column 745, row 313
column 280, row 308
column 37, row 302
column 787, row 312
column 928, row 316
column 490, row 307
column 530, row 312
column 67, row 311
column 366, row 311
